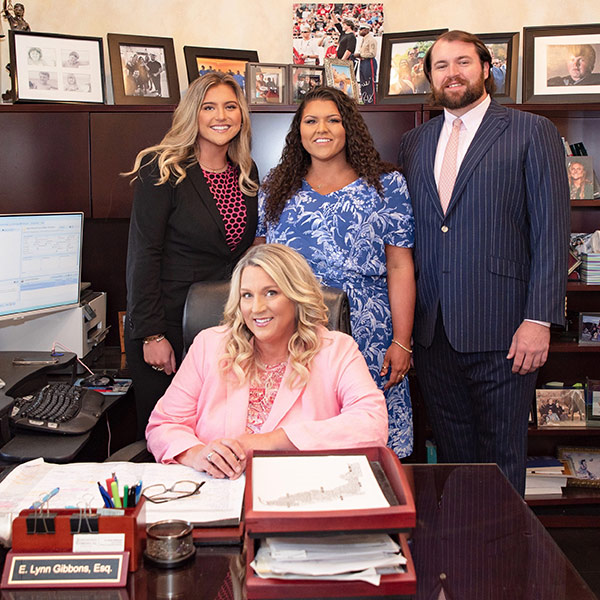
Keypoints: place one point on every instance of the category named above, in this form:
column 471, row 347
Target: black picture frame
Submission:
column 543, row 69
column 50, row 67
column 133, row 81
column 393, row 89
column 297, row 88
column 589, row 329
column 218, row 57
column 509, row 43
column 272, row 90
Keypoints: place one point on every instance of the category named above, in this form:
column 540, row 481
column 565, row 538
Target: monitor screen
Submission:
column 40, row 269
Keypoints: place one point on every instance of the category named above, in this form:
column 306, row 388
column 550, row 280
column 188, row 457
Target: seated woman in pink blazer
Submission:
column 272, row 377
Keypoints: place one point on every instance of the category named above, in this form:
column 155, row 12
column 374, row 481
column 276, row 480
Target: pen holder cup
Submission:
column 55, row 531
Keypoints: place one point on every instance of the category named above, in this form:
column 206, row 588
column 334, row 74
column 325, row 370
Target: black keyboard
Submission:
column 58, row 408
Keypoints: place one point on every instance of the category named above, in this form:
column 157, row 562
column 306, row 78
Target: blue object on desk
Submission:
column 46, row 498
column 105, row 496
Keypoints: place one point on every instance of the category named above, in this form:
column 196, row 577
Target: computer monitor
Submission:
column 40, row 268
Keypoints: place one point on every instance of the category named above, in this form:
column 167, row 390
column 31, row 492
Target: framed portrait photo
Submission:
column 592, row 402
column 560, row 407
column 504, row 48
column 340, row 74
column 143, row 69
column 266, row 83
column 303, row 79
column 199, row 61
column 584, row 464
column 559, row 64
column 401, row 76
column 580, row 172
column 47, row 67
column 589, row 329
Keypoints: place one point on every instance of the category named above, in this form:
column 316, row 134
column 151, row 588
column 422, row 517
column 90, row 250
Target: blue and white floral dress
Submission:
column 343, row 236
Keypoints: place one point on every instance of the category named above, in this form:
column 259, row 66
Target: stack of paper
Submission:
column 363, row 557
column 546, row 476
column 590, row 268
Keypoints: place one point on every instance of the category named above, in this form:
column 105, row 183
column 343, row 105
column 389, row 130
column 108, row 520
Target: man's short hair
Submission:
column 585, row 51
column 456, row 35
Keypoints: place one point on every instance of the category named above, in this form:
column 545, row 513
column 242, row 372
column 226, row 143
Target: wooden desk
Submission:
column 475, row 538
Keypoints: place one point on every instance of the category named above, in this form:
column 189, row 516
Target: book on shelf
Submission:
column 545, row 476
column 590, row 268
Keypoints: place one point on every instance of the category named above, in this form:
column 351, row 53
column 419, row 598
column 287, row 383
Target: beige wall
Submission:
column 265, row 25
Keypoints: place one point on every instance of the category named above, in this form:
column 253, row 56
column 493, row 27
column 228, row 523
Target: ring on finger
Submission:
column 209, row 456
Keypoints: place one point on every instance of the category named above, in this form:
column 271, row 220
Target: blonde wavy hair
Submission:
column 176, row 151
column 290, row 271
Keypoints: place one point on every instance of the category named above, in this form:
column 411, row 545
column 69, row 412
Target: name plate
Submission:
column 22, row 570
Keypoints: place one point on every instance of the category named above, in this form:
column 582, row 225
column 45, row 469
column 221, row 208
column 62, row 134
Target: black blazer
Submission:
column 176, row 237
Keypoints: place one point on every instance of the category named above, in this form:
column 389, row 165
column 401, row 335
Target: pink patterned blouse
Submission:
column 262, row 396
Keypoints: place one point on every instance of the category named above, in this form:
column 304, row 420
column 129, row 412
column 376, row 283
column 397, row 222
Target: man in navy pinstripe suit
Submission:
column 491, row 266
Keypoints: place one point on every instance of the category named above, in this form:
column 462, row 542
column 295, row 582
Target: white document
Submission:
column 219, row 499
column 314, row 483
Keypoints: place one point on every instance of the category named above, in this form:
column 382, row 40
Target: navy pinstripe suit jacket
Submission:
column 499, row 255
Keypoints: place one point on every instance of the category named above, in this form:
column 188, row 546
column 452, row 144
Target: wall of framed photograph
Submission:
column 340, row 74
column 504, row 48
column 266, row 83
column 302, row 79
column 559, row 64
column 401, row 76
column 199, row 61
column 143, row 69
column 48, row 67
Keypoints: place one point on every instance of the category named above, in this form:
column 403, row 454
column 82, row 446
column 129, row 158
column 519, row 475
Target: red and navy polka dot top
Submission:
column 227, row 194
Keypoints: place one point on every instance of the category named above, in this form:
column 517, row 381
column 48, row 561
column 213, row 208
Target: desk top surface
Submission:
column 475, row 539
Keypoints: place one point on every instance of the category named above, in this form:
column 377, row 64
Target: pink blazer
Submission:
column 339, row 407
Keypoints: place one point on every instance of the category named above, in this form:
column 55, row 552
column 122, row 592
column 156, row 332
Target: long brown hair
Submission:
column 286, row 178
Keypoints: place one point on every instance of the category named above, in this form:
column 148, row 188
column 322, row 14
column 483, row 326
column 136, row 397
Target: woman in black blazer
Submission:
column 194, row 215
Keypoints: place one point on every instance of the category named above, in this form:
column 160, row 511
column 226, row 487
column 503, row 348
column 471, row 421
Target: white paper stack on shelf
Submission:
column 363, row 557
column 545, row 476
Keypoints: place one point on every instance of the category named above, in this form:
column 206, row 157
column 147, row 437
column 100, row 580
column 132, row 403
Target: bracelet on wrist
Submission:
column 159, row 337
column 401, row 346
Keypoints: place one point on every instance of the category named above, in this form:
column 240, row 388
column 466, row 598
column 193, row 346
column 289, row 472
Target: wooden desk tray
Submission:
column 132, row 524
column 209, row 536
column 393, row 519
column 399, row 586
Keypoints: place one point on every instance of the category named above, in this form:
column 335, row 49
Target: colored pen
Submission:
column 105, row 496
column 125, row 494
column 45, row 499
column 131, row 500
column 138, row 491
column 115, row 495
column 114, row 476
column 109, row 484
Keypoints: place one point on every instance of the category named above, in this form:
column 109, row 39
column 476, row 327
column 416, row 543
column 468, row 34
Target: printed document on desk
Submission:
column 219, row 500
column 314, row 483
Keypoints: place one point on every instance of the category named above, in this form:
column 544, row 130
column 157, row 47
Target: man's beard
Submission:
column 472, row 93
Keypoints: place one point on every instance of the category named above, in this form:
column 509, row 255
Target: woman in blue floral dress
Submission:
column 333, row 199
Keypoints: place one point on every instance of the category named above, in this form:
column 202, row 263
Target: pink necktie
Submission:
column 448, row 172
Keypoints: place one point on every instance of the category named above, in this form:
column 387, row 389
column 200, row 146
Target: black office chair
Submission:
column 203, row 309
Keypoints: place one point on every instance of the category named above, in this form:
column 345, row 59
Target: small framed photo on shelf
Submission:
column 592, row 402
column 559, row 64
column 560, row 407
column 199, row 61
column 581, row 177
column 504, row 48
column 143, row 69
column 589, row 329
column 584, row 464
column 402, row 79
column 47, row 67
column 340, row 75
column 304, row 78
column 266, row 83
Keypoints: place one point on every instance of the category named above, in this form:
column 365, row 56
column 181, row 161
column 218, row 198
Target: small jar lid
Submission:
column 169, row 529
